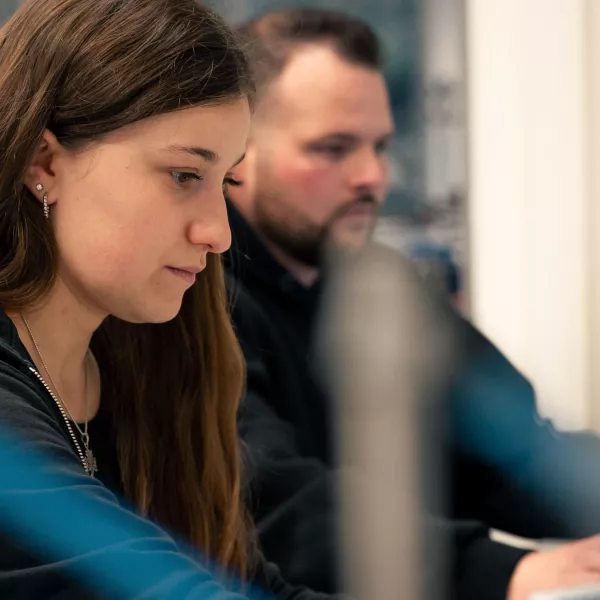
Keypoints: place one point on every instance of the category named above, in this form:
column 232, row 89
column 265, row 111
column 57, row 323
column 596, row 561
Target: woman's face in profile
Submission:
column 136, row 214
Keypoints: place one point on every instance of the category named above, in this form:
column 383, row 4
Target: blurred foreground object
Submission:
column 387, row 353
column 587, row 592
column 118, row 557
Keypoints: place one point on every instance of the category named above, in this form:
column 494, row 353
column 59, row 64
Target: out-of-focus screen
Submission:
column 588, row 592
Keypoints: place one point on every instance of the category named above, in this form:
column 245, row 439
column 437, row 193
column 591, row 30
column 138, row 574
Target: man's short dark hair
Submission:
column 273, row 37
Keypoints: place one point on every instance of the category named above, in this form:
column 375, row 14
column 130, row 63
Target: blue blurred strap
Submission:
column 117, row 553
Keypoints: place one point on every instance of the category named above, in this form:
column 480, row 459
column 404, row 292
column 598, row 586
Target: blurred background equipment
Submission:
column 588, row 592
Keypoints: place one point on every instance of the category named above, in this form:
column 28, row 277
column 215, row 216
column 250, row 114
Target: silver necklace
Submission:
column 88, row 459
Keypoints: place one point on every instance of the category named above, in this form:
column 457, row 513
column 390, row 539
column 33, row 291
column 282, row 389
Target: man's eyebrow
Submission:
column 339, row 136
column 345, row 137
column 208, row 155
column 239, row 160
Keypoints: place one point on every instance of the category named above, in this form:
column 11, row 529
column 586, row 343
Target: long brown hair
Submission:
column 82, row 69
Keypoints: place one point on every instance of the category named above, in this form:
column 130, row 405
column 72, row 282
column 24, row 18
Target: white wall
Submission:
column 530, row 173
column 593, row 97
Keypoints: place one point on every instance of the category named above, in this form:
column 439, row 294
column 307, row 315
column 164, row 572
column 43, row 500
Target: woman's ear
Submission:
column 40, row 178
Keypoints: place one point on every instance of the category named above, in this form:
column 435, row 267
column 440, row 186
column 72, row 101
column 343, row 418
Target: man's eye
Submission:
column 383, row 146
column 231, row 182
column 183, row 177
column 332, row 150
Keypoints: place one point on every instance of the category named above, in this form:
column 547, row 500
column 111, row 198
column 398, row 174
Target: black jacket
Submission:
column 509, row 469
column 27, row 573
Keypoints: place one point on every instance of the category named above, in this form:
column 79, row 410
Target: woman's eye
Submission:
column 183, row 177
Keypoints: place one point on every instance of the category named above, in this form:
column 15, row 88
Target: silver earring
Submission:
column 40, row 188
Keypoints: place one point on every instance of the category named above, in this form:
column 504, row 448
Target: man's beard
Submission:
column 295, row 236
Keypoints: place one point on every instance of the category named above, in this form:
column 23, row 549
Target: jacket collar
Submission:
column 10, row 340
column 251, row 263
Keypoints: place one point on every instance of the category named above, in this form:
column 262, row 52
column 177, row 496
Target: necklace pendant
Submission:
column 91, row 466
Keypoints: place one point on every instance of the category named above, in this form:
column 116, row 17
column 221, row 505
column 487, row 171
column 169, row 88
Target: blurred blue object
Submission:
column 118, row 555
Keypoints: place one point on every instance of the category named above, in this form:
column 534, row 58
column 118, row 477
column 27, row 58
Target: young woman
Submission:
column 120, row 122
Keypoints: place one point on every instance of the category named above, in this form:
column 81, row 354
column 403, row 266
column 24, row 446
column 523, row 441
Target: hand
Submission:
column 571, row 565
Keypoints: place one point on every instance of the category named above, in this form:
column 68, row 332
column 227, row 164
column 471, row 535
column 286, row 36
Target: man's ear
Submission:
column 40, row 170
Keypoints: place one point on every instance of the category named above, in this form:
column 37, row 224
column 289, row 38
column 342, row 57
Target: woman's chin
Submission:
column 157, row 314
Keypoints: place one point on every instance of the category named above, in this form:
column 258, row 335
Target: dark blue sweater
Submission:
column 89, row 536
